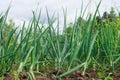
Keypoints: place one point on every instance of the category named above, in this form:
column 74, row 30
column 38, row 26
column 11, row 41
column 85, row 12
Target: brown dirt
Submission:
column 90, row 75
column 116, row 76
column 9, row 77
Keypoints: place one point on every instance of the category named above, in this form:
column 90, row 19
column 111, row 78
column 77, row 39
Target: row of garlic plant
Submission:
column 36, row 47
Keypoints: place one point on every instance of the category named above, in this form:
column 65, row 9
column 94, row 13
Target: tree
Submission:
column 112, row 15
column 81, row 21
column 8, row 27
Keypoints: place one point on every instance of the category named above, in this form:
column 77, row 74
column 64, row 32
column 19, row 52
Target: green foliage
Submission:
column 101, row 75
column 106, row 48
column 84, row 44
column 8, row 44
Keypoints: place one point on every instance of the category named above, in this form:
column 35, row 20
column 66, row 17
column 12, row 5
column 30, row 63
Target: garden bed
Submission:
column 89, row 75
